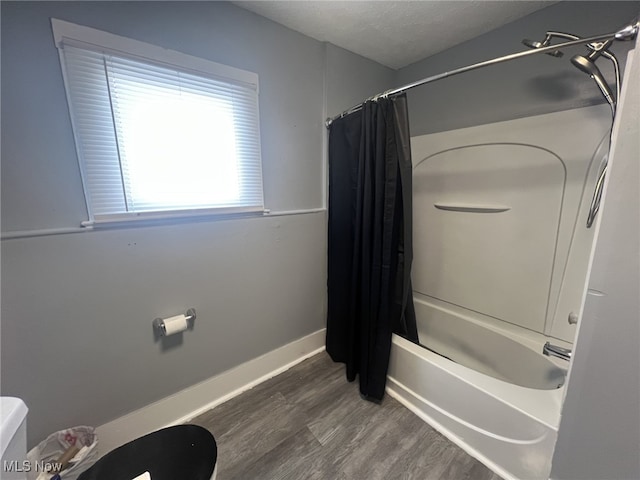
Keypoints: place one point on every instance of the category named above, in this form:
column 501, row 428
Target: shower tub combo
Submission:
column 502, row 240
column 500, row 263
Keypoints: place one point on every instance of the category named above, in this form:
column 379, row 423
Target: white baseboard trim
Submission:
column 192, row 401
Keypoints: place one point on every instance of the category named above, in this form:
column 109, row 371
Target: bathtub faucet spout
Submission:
column 555, row 351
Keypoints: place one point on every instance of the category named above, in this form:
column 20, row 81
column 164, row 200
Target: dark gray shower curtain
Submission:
column 369, row 245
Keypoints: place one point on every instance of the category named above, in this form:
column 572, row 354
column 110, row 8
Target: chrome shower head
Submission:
column 587, row 65
column 544, row 43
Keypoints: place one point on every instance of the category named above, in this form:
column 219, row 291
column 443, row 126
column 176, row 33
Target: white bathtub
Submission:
column 510, row 428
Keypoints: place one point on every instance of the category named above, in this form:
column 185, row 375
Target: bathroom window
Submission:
column 159, row 133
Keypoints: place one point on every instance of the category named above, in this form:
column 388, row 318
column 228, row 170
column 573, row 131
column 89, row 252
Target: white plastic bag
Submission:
column 51, row 449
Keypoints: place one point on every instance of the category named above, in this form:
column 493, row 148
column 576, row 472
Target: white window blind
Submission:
column 155, row 139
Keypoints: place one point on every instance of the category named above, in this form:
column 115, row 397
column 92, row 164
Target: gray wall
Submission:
column 351, row 78
column 599, row 436
column 530, row 86
column 77, row 342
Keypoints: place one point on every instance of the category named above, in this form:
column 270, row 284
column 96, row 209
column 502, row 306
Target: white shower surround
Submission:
column 524, row 266
column 509, row 427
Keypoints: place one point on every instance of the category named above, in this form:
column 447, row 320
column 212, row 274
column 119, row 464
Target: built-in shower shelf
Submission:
column 472, row 208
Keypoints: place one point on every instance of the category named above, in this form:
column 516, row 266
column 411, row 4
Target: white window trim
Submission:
column 81, row 36
column 86, row 37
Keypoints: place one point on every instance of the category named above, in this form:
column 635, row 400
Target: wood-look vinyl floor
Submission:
column 310, row 423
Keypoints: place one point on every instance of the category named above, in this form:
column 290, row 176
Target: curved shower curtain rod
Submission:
column 627, row 33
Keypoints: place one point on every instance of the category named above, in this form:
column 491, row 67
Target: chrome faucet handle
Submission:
column 555, row 351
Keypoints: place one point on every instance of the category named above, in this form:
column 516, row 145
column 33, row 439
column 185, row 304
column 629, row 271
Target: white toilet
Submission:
column 13, row 439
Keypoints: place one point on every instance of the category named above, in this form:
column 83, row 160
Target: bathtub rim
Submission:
column 543, row 406
column 494, row 456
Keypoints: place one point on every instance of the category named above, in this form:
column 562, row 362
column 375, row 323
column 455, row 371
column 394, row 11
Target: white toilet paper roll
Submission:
column 175, row 324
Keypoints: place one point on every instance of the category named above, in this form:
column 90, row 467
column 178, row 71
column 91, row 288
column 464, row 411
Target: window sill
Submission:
column 88, row 226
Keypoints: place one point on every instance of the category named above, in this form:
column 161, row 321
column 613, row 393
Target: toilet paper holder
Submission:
column 159, row 327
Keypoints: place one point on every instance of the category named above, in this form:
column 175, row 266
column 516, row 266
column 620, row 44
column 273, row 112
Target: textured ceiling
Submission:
column 393, row 33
